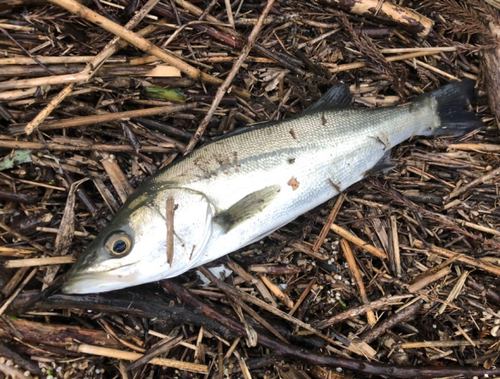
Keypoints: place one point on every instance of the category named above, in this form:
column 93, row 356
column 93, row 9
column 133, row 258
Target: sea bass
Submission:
column 238, row 189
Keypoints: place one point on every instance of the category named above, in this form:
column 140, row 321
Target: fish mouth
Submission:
column 99, row 281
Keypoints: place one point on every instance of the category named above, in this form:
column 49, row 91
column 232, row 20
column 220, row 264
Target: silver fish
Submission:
column 240, row 188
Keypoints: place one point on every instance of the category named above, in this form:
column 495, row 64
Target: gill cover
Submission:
column 192, row 226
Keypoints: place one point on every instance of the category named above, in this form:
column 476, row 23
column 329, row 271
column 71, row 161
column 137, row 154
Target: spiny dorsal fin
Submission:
column 336, row 97
column 247, row 207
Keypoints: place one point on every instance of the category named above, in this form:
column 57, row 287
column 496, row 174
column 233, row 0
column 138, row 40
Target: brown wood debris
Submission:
column 397, row 277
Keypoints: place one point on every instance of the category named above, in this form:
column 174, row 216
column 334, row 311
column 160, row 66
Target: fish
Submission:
column 238, row 189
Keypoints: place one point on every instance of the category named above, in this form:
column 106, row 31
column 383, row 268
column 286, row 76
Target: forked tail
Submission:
column 454, row 109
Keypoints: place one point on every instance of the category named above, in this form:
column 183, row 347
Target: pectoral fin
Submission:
column 249, row 206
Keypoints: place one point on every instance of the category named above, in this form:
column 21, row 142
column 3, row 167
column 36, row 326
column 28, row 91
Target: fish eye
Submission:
column 118, row 244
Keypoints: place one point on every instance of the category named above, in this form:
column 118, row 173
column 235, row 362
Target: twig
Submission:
column 31, row 262
column 116, row 176
column 428, row 279
column 329, row 221
column 281, row 348
column 334, row 68
column 230, row 76
column 382, row 302
column 74, row 144
column 456, row 290
column 88, row 120
column 143, row 44
column 357, row 241
column 26, row 51
column 18, row 290
column 353, row 267
column 493, row 174
column 469, row 261
column 130, row 356
column 406, row 18
column 170, row 229
column 238, row 37
column 302, row 296
column 406, row 314
column 24, row 238
column 160, row 348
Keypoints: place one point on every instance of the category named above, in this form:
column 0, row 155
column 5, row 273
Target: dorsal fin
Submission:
column 336, row 97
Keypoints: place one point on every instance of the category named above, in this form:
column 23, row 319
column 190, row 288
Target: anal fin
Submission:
column 384, row 164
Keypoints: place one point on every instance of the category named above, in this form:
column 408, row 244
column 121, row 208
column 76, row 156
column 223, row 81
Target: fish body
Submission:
column 240, row 188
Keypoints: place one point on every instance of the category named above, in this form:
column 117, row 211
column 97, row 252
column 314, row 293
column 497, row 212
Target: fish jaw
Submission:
column 95, row 272
column 84, row 283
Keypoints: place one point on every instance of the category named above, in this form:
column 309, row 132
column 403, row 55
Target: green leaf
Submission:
column 171, row 94
column 19, row 156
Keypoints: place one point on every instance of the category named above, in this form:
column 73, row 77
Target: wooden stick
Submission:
column 456, row 290
column 329, row 221
column 24, row 238
column 333, row 68
column 435, row 276
column 478, row 147
column 395, row 246
column 250, row 279
column 441, row 343
column 110, row 49
column 350, row 313
column 170, row 229
column 469, row 261
column 130, row 356
column 493, row 174
column 491, row 61
column 97, row 119
column 357, row 241
column 143, row 44
column 277, row 292
column 18, row 290
column 30, row 262
column 302, row 297
column 56, row 60
column 229, row 79
column 353, row 267
column 407, row 18
column 116, row 175
column 80, row 145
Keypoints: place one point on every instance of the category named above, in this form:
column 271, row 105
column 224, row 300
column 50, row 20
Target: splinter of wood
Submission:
column 170, row 230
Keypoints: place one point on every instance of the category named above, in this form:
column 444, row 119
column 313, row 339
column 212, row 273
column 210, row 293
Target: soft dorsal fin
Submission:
column 247, row 207
column 336, row 97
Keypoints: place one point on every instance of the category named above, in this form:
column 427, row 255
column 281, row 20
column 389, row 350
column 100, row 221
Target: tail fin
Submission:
column 453, row 108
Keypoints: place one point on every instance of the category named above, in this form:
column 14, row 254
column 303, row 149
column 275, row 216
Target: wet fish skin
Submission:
column 236, row 190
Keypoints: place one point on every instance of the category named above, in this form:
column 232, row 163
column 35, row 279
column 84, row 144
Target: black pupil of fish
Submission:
column 119, row 246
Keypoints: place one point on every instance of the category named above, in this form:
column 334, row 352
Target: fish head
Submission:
column 132, row 249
